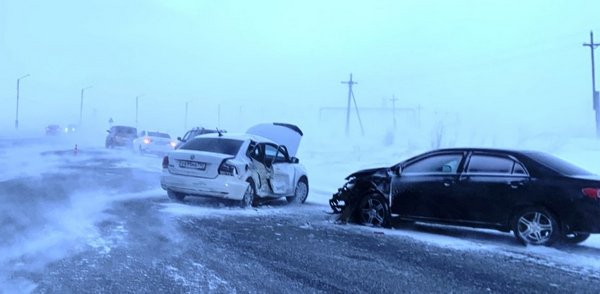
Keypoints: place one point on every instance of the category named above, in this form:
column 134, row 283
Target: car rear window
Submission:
column 559, row 165
column 158, row 135
column 215, row 145
column 125, row 130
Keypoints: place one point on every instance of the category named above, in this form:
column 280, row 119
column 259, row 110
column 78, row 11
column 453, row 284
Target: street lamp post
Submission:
column 137, row 98
column 81, row 104
column 17, row 116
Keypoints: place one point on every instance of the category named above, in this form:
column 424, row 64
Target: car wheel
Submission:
column 575, row 238
column 373, row 211
column 175, row 195
column 250, row 198
column 536, row 226
column 300, row 193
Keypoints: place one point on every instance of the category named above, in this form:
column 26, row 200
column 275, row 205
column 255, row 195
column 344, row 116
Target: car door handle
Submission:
column 515, row 185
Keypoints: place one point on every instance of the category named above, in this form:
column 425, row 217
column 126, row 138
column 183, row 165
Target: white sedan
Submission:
column 259, row 164
column 153, row 142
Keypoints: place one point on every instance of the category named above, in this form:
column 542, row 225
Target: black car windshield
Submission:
column 216, row 145
column 559, row 165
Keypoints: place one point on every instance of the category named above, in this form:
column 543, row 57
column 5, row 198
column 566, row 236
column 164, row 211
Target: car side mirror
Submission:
column 446, row 168
column 295, row 160
column 108, row 131
column 179, row 139
column 397, row 170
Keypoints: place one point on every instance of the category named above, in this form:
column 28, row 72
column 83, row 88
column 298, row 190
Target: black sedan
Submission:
column 540, row 197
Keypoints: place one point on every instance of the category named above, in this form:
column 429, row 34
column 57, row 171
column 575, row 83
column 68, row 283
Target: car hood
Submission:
column 283, row 134
column 367, row 172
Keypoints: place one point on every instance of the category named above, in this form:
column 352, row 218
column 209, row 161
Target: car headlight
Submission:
column 350, row 184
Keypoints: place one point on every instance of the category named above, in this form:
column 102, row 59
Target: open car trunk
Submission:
column 281, row 133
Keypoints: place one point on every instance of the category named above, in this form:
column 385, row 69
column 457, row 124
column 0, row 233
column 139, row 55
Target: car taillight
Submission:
column 227, row 169
column 147, row 140
column 165, row 162
column 593, row 193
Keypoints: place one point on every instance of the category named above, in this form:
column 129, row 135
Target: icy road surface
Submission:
column 99, row 222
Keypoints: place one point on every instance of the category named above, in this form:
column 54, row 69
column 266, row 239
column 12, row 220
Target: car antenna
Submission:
column 220, row 132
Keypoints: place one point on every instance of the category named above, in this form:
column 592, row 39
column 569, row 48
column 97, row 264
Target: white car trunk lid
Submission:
column 196, row 163
column 283, row 134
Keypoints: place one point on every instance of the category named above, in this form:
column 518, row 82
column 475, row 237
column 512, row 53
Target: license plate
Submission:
column 192, row 164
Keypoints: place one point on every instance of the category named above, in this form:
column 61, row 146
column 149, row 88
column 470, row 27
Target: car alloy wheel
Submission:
column 300, row 193
column 536, row 227
column 373, row 211
column 249, row 195
column 175, row 195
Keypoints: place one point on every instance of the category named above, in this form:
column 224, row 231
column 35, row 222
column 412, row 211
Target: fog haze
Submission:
column 490, row 63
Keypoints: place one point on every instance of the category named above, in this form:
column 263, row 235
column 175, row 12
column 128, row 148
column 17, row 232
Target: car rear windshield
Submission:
column 158, row 135
column 559, row 165
column 215, row 145
column 125, row 130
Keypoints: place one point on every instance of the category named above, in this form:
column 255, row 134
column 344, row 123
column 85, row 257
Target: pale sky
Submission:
column 519, row 60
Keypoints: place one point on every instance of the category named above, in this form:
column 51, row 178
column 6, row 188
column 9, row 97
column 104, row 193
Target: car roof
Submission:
column 124, row 127
column 482, row 149
column 239, row 136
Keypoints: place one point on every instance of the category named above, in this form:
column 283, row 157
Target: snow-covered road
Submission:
column 97, row 221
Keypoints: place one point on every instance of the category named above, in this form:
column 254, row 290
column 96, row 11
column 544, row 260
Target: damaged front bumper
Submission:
column 340, row 199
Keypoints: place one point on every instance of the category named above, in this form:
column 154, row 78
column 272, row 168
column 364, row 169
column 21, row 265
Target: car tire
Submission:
column 175, row 195
column 250, row 198
column 575, row 238
column 300, row 193
column 373, row 210
column 536, row 226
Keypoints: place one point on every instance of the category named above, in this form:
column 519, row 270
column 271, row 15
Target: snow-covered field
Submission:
column 71, row 223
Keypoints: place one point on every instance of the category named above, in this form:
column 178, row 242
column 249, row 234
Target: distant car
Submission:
column 122, row 136
column 540, row 197
column 153, row 142
column 196, row 132
column 70, row 129
column 244, row 167
column 52, row 130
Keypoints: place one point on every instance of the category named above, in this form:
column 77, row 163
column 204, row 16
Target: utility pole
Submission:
column 394, row 99
column 219, row 115
column 350, row 83
column 17, row 116
column 595, row 95
column 186, row 116
column 81, row 104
